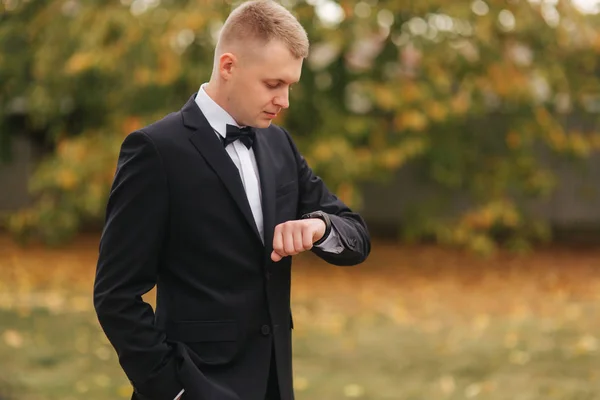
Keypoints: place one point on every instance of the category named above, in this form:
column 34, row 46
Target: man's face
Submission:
column 260, row 84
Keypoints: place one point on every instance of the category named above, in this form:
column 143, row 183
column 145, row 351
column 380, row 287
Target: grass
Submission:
column 410, row 324
column 47, row 356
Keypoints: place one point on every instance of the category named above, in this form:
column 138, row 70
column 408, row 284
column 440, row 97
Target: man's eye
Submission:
column 275, row 86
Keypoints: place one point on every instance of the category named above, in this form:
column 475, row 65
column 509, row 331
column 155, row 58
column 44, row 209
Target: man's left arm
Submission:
column 348, row 241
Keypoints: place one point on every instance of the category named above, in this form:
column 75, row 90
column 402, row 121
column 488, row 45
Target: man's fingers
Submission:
column 278, row 240
column 307, row 237
column 291, row 238
column 275, row 257
column 298, row 240
column 280, row 243
column 288, row 239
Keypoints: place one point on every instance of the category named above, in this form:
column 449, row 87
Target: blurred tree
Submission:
column 473, row 93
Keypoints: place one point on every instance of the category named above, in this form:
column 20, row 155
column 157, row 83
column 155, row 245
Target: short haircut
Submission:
column 265, row 20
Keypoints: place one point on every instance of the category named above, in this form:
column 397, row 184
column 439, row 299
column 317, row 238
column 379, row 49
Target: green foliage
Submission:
column 472, row 91
column 72, row 187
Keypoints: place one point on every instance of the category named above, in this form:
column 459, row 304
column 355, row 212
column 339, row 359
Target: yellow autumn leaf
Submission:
column 72, row 150
column 131, row 123
column 511, row 218
column 587, row 344
column 194, row 21
column 66, row 179
column 481, row 322
column 410, row 92
column 385, row 97
column 481, row 244
column 142, row 75
column 473, row 390
column 447, row 384
column 363, row 156
column 13, row 338
column 169, row 68
column 579, row 144
column 479, row 219
column 412, row 120
column 392, row 158
column 300, row 383
column 322, row 152
column 460, row 103
column 79, row 62
column 557, row 138
column 354, row 391
column 436, row 111
column 543, row 117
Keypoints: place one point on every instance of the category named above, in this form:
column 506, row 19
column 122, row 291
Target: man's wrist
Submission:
column 325, row 218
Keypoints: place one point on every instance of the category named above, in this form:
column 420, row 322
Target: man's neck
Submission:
column 212, row 91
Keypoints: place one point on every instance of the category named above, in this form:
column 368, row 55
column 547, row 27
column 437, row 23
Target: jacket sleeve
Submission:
column 350, row 228
column 128, row 262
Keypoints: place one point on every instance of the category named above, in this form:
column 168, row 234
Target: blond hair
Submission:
column 264, row 21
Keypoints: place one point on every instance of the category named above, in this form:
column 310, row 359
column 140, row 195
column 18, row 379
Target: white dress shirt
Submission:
column 244, row 160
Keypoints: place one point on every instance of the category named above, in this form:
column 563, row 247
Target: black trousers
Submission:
column 273, row 386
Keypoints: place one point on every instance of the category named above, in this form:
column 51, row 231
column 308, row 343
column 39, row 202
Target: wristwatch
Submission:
column 325, row 218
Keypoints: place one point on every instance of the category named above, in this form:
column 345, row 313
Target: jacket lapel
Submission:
column 205, row 140
column 262, row 152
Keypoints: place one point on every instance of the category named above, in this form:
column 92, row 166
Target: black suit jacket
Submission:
column 178, row 217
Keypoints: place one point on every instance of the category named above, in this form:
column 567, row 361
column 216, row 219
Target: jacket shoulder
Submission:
column 165, row 128
column 165, row 131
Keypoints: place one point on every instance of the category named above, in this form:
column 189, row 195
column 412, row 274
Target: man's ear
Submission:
column 227, row 63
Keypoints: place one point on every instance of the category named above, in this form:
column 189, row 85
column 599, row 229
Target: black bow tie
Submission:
column 245, row 135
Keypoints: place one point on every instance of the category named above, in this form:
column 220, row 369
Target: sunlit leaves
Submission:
column 471, row 90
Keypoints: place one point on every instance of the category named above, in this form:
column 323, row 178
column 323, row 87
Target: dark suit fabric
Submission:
column 178, row 217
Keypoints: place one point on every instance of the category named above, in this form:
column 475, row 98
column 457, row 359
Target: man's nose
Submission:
column 283, row 100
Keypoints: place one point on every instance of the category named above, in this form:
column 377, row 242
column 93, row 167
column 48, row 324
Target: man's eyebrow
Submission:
column 283, row 81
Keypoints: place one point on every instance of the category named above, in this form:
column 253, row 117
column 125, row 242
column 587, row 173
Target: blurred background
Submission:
column 467, row 134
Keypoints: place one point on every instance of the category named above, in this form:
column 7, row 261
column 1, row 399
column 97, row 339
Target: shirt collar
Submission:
column 216, row 116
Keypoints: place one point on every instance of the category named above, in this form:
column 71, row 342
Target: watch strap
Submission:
column 325, row 218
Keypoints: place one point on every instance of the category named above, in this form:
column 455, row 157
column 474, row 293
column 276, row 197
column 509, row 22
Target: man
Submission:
column 209, row 204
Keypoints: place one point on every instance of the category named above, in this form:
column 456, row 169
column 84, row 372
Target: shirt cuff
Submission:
column 179, row 394
column 332, row 244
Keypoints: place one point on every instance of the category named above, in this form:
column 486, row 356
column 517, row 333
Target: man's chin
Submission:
column 263, row 123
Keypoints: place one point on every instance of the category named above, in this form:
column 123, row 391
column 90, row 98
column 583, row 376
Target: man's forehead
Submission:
column 284, row 71
column 279, row 77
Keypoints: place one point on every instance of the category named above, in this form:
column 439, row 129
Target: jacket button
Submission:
column 265, row 330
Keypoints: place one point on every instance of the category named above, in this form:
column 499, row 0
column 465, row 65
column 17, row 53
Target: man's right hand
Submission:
column 293, row 237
